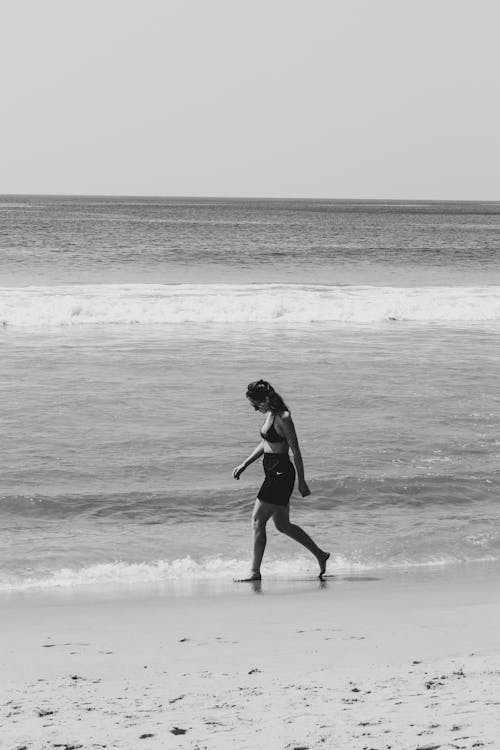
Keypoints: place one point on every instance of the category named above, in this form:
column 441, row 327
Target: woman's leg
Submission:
column 262, row 512
column 281, row 518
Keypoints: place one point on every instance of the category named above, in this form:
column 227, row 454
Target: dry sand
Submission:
column 408, row 661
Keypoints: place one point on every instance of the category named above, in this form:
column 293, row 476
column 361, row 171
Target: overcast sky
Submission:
column 271, row 98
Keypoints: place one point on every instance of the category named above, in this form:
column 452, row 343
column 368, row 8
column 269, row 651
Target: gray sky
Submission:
column 272, row 98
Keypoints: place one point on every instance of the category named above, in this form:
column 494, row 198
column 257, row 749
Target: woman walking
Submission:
column 278, row 435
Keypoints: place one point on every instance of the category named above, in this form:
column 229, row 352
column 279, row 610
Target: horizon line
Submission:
column 247, row 198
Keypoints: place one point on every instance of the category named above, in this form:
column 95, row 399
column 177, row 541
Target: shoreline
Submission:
column 272, row 583
column 401, row 660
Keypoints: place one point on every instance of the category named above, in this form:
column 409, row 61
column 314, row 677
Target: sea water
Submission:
column 129, row 329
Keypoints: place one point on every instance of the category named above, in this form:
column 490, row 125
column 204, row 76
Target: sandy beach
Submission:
column 401, row 661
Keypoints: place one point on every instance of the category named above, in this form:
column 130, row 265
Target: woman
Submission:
column 278, row 433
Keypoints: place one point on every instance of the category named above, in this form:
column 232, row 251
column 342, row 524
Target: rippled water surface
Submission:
column 124, row 411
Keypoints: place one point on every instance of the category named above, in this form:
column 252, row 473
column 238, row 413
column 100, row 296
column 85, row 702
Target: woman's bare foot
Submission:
column 322, row 563
column 251, row 577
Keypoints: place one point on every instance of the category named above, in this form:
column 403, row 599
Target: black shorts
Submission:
column 280, row 478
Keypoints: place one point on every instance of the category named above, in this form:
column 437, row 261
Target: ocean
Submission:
column 130, row 328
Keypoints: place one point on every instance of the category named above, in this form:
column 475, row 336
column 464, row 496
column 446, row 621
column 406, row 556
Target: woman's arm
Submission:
column 254, row 455
column 286, row 422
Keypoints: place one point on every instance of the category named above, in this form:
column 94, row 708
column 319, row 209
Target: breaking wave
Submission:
column 161, row 304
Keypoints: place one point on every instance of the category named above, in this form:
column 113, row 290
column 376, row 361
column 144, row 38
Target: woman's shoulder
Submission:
column 284, row 416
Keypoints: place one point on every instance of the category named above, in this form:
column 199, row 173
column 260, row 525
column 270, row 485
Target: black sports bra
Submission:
column 271, row 435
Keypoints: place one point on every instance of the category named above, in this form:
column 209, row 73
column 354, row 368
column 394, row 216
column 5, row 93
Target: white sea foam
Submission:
column 155, row 304
column 186, row 571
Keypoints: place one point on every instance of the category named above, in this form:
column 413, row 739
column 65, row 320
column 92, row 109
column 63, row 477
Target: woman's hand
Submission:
column 239, row 470
column 304, row 489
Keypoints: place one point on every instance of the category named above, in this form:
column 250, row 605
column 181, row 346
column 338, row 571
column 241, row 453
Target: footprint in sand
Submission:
column 174, row 700
column 320, row 630
column 45, row 712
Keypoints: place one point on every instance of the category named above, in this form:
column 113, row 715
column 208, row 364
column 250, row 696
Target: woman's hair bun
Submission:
column 260, row 390
column 264, row 385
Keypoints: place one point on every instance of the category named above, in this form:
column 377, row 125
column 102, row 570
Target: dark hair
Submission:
column 260, row 390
